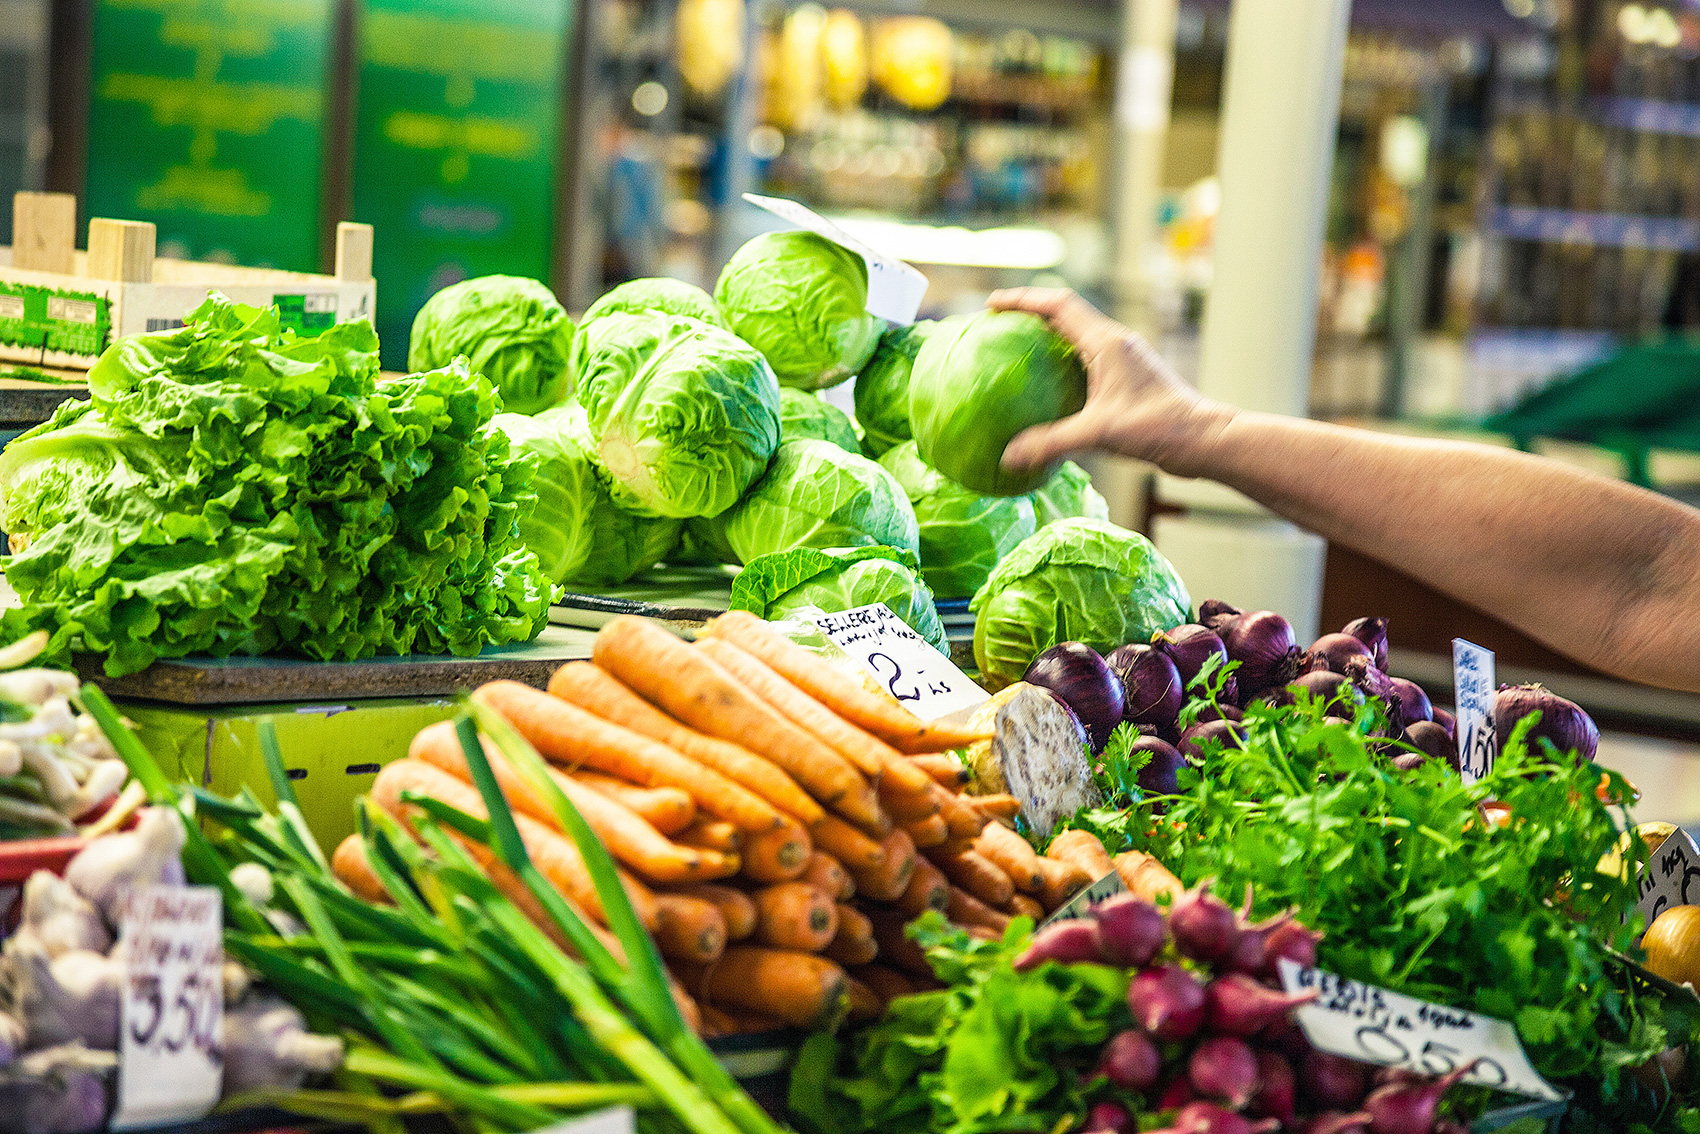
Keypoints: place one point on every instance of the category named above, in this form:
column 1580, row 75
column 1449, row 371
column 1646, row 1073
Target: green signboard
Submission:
column 456, row 136
column 207, row 118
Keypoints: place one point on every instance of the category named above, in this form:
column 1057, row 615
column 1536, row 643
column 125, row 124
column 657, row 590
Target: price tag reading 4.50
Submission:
column 170, row 1059
column 924, row 680
column 1372, row 1025
column 1472, row 679
column 1671, row 876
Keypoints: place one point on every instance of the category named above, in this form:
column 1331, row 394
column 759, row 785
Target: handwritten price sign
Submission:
column 1472, row 678
column 1671, row 877
column 1081, row 904
column 904, row 663
column 1372, row 1025
column 170, row 1060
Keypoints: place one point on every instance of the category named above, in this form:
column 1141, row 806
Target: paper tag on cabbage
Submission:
column 1671, row 876
column 905, row 664
column 1081, row 904
column 894, row 288
column 1372, row 1025
column 1473, row 685
column 170, row 1043
column 609, row 1120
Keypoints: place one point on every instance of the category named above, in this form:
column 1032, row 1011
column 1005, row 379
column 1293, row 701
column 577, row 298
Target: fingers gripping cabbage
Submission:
column 840, row 578
column 804, row 416
column 963, row 534
column 882, row 388
column 817, row 495
column 1075, row 580
column 511, row 329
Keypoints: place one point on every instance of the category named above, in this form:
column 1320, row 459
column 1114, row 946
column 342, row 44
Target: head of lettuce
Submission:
column 511, row 330
column 802, row 301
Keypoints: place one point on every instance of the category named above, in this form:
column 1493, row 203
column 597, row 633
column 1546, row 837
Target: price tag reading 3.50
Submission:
column 1472, row 679
column 1372, row 1025
column 904, row 663
column 170, row 1059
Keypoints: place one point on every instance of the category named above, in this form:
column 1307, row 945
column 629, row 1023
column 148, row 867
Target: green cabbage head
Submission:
column 817, row 495
column 963, row 534
column 978, row 381
column 659, row 294
column 512, row 331
column 1075, row 580
column 804, row 416
column 1069, row 493
column 838, row 578
column 802, row 301
column 685, row 415
column 882, row 388
column 579, row 534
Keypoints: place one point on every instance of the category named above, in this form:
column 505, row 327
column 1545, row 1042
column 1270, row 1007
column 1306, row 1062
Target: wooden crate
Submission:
column 59, row 308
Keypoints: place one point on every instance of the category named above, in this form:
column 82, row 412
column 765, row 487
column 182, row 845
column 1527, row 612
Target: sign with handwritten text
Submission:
column 1372, row 1025
column 172, row 1032
column 1081, row 904
column 904, row 663
column 1472, row 679
column 1671, row 876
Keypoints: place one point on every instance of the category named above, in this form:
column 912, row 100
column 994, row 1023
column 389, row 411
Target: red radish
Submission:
column 1131, row 930
column 1204, row 926
column 1372, row 632
column 1408, row 1108
column 1289, row 941
column 1224, row 1068
column 1208, row 1118
column 1131, row 1061
column 1252, row 947
column 1276, row 1088
column 1330, row 652
column 1177, row 1092
column 1447, row 1126
column 1166, row 1001
column 1287, row 1038
column 1329, row 1080
column 1333, row 1122
column 1107, row 1116
column 1073, row 940
column 1237, row 1005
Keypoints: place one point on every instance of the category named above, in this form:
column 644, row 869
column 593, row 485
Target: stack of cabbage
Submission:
column 232, row 487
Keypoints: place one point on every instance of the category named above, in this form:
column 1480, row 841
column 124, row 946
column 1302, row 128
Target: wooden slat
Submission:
column 353, row 252
column 121, row 250
column 44, row 231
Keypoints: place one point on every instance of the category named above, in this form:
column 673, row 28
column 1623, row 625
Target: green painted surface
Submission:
column 207, row 118
column 456, row 136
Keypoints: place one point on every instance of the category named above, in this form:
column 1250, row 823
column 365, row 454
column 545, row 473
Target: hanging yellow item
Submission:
column 798, row 98
column 912, row 60
column 709, row 37
column 844, row 56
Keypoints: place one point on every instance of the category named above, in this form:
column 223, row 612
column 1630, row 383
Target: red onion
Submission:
column 1217, row 615
column 1330, row 652
column 1447, row 721
column 1152, row 690
column 1228, row 732
column 1080, row 679
column 1562, row 722
column 1190, row 647
column 1340, row 695
column 1220, row 712
column 1372, row 632
column 1262, row 642
column 1414, row 704
column 1432, row 741
column 1158, row 775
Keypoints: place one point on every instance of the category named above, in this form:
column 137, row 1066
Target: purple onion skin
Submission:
column 1190, row 646
column 1341, row 695
column 1158, row 775
column 1262, row 642
column 1152, row 690
column 1414, row 704
column 1562, row 722
column 1220, row 713
column 1447, row 721
column 1330, row 652
column 1217, row 615
column 1192, row 740
column 1372, row 632
column 1080, row 678
column 1433, row 741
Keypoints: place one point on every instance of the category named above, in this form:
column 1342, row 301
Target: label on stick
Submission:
column 1671, row 876
column 1474, row 686
column 1372, row 1025
column 170, row 1044
column 1081, row 904
column 894, row 288
column 905, row 664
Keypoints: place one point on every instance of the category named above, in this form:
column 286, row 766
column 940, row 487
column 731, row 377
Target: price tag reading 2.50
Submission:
column 904, row 663
column 171, row 1063
column 1372, row 1025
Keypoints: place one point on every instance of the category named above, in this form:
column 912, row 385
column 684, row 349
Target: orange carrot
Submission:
column 950, row 772
column 795, row 915
column 1062, row 881
column 697, row 690
column 849, row 846
column 568, row 735
column 823, row 872
column 865, row 1003
column 690, row 929
column 887, row 982
column 976, row 874
column 844, row 695
column 928, row 889
column 716, row 1023
column 965, row 909
column 854, row 943
column 667, row 809
column 887, row 882
column 599, row 692
column 799, row 988
column 900, row 772
column 996, row 806
column 627, row 837
column 554, row 854
column 756, row 1023
column 906, row 806
column 932, row 831
column 965, row 822
column 1083, row 850
column 895, row 945
column 714, row 834
column 1013, row 855
column 779, row 855
column 1143, row 875
column 1024, row 905
column 736, row 908
column 349, row 864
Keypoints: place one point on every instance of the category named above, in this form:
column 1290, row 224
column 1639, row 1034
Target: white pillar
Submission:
column 1280, row 112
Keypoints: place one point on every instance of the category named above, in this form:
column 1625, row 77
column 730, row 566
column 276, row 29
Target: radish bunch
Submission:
column 1213, row 1037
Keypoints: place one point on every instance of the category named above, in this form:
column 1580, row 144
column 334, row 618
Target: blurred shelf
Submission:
column 1027, row 92
column 1081, row 19
column 1612, row 230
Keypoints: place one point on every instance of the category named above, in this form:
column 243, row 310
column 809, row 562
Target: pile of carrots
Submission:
column 777, row 821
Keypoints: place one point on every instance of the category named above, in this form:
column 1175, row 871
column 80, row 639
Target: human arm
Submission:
column 1600, row 570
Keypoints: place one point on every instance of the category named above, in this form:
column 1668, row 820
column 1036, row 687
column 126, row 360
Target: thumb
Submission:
column 1039, row 445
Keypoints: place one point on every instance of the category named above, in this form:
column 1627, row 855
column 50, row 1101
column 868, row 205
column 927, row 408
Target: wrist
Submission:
column 1196, row 438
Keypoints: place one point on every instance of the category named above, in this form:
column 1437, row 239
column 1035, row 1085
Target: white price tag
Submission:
column 894, row 288
column 1473, row 683
column 170, row 1046
column 924, row 680
column 1671, row 876
column 1081, row 904
column 1372, row 1025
